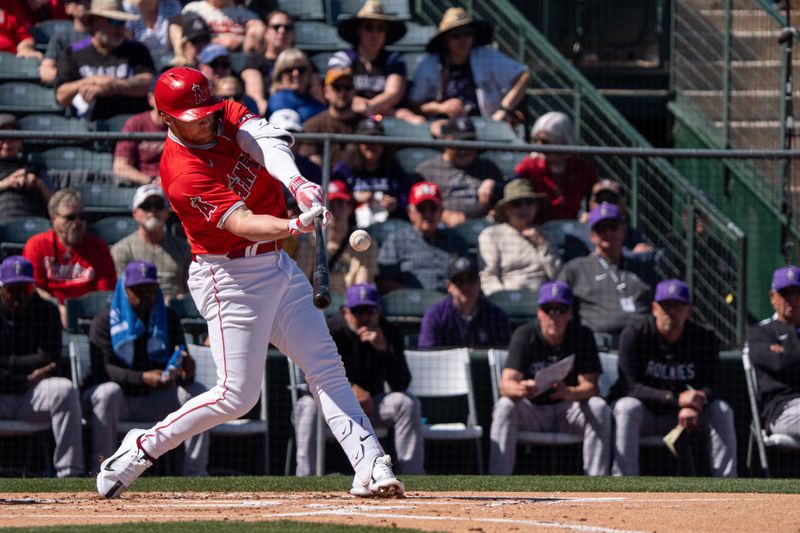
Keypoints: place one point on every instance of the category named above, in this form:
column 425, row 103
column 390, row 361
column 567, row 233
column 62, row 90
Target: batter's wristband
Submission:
column 296, row 182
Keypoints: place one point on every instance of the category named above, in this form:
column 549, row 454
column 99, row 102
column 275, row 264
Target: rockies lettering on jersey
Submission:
column 670, row 372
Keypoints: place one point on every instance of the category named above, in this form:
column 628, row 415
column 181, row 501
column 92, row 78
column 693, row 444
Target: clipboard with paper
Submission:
column 558, row 371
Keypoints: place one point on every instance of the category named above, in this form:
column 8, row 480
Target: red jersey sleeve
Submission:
column 103, row 264
column 34, row 251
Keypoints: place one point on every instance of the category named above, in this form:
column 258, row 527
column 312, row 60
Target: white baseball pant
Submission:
column 248, row 303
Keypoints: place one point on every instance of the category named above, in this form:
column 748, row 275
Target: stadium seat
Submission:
column 320, row 61
column 81, row 311
column 39, row 435
column 416, row 37
column 506, row 161
column 312, row 36
column 558, row 232
column 496, row 131
column 22, row 98
column 72, row 158
column 404, row 307
column 191, row 320
column 437, row 376
column 114, row 123
column 45, row 29
column 56, row 123
column 304, row 9
column 412, row 61
column 113, row 229
column 469, row 231
column 394, row 127
column 18, row 68
column 410, row 158
column 15, row 233
column 759, row 436
column 238, row 59
column 379, row 230
column 520, row 305
column 101, row 198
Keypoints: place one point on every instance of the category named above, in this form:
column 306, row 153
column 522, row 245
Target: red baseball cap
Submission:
column 337, row 190
column 424, row 190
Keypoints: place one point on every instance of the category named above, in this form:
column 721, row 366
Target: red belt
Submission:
column 252, row 250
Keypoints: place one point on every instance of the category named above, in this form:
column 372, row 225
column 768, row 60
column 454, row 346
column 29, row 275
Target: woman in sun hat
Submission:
column 379, row 76
column 461, row 76
column 515, row 252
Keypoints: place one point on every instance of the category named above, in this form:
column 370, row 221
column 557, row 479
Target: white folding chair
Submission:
column 298, row 385
column 443, row 374
column 759, row 435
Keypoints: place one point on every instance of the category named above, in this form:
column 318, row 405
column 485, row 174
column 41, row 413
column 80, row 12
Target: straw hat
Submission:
column 110, row 9
column 371, row 10
column 515, row 189
column 456, row 17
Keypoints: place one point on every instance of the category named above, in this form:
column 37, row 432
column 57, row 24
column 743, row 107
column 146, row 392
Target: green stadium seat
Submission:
column 238, row 59
column 15, row 233
column 379, row 230
column 55, row 123
column 304, row 9
column 505, row 161
column 320, row 61
column 416, row 37
column 400, row 128
column 114, row 123
column 313, row 36
column 72, row 158
column 18, row 68
column 557, row 231
column 469, row 231
column 412, row 61
column 520, row 305
column 408, row 305
column 103, row 198
column 81, row 311
column 113, row 229
column 23, row 98
column 191, row 320
column 44, row 30
column 410, row 158
column 495, row 131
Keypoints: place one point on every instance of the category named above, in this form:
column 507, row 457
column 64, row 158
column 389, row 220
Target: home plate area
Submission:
column 429, row 511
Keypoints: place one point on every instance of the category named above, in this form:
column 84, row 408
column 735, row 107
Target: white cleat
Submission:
column 121, row 469
column 382, row 483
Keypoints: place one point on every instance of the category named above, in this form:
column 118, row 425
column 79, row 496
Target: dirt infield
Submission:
column 431, row 511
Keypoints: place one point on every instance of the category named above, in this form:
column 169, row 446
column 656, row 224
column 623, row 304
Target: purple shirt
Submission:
column 444, row 326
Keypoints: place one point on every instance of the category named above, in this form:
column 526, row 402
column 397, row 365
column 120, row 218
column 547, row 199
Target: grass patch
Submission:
column 420, row 483
column 282, row 526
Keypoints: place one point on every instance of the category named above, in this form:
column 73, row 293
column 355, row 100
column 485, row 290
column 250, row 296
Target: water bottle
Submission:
column 173, row 365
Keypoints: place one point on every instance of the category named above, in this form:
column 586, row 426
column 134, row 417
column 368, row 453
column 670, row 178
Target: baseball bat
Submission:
column 321, row 278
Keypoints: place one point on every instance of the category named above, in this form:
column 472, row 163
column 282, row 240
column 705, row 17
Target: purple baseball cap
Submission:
column 602, row 212
column 673, row 289
column 16, row 269
column 361, row 294
column 140, row 272
column 555, row 291
column 786, row 276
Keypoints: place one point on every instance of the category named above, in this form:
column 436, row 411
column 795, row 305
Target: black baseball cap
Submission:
column 194, row 27
column 462, row 266
column 459, row 128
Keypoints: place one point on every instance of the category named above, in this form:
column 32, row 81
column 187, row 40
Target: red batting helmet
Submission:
column 185, row 94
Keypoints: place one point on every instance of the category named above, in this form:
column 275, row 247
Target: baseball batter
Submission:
column 222, row 169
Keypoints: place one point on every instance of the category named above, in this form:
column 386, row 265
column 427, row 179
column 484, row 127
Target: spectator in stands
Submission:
column 30, row 389
column 465, row 317
column 61, row 40
column 292, row 84
column 231, row 88
column 195, row 37
column 611, row 290
column 152, row 242
column 132, row 341
column 158, row 24
column 468, row 182
column 289, row 120
column 774, row 348
column 379, row 76
column 16, row 20
column 24, row 188
column 570, row 406
column 667, row 371
column 372, row 172
column 347, row 266
column 515, row 253
column 418, row 256
column 136, row 162
column 67, row 261
column 105, row 74
column 372, row 354
column 566, row 179
column 461, row 76
column 233, row 26
column 257, row 71
column 339, row 117
column 215, row 62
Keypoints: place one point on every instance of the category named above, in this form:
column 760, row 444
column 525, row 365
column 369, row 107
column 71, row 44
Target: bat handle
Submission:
column 321, row 280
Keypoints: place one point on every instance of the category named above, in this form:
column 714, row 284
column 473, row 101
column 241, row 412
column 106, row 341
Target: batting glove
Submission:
column 305, row 222
column 306, row 193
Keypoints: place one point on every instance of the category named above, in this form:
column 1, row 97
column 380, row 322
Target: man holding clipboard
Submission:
column 549, row 383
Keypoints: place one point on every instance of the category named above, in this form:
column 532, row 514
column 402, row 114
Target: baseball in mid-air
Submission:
column 360, row 240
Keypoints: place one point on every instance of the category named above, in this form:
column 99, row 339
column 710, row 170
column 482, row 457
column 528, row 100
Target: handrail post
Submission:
column 726, row 74
column 634, row 196
column 690, row 236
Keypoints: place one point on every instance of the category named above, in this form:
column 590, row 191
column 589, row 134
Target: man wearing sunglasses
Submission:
column 568, row 406
column 372, row 353
column 611, row 289
column 30, row 389
column 105, row 74
column 152, row 242
column 67, row 261
column 668, row 365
